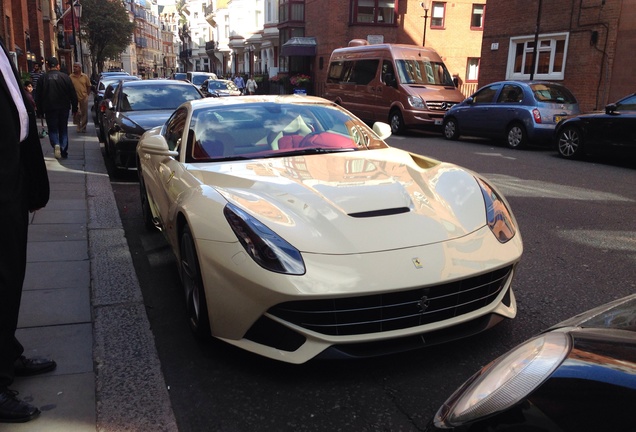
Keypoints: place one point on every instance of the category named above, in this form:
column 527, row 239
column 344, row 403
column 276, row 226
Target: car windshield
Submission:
column 199, row 79
column 269, row 129
column 221, row 85
column 545, row 92
column 156, row 97
column 423, row 72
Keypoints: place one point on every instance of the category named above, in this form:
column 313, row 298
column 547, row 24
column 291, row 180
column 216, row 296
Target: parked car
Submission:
column 519, row 112
column 197, row 78
column 579, row 375
column 300, row 233
column 98, row 94
column 137, row 106
column 609, row 132
column 219, row 88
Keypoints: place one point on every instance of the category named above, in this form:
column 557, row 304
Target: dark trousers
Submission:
column 57, row 123
column 14, row 217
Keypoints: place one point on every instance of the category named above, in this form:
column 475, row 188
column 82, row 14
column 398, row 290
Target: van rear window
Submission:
column 423, row 72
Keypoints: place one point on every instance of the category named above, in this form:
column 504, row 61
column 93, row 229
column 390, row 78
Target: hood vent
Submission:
column 383, row 212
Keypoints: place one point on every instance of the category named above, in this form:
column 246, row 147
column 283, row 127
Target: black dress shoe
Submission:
column 13, row 410
column 33, row 366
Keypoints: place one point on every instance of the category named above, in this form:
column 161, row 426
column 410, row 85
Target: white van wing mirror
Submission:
column 382, row 130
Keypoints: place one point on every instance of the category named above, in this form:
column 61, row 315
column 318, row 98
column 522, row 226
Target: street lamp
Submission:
column 426, row 6
column 76, row 11
column 77, row 7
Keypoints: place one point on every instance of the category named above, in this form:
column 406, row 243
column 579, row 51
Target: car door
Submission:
column 163, row 173
column 473, row 116
column 507, row 107
column 615, row 130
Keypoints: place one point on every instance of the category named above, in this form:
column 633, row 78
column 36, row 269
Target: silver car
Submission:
column 521, row 112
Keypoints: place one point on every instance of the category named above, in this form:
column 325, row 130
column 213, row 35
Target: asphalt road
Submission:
column 579, row 230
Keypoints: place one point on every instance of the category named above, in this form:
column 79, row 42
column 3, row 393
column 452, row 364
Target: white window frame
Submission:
column 552, row 38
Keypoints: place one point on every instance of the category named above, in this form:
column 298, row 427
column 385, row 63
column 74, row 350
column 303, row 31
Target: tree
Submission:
column 107, row 30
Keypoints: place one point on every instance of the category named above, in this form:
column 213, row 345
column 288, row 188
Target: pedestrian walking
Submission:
column 35, row 74
column 240, row 83
column 251, row 85
column 82, row 85
column 28, row 86
column 54, row 96
column 24, row 187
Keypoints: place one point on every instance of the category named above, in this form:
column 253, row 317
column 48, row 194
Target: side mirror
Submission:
column 470, row 100
column 610, row 109
column 382, row 130
column 156, row 145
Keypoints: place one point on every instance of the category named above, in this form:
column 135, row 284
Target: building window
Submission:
column 472, row 69
column 291, row 10
column 438, row 15
column 377, row 12
column 477, row 18
column 551, row 55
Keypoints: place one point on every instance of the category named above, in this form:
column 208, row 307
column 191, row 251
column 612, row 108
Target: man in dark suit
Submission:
column 24, row 187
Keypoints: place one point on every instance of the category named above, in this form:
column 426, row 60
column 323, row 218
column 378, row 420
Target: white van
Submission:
column 405, row 85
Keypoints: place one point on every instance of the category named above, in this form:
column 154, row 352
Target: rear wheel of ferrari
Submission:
column 193, row 286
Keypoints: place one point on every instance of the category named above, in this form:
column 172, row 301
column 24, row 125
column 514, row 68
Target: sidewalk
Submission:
column 82, row 306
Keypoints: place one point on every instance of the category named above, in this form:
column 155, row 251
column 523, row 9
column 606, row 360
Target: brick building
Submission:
column 585, row 44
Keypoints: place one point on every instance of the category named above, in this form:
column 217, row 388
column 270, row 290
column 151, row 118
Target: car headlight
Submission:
column 506, row 381
column 416, row 102
column 265, row 247
column 498, row 216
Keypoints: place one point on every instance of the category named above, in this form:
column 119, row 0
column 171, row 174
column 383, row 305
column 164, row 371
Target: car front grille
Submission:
column 394, row 310
column 439, row 105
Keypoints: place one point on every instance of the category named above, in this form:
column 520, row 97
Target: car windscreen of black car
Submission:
column 156, row 97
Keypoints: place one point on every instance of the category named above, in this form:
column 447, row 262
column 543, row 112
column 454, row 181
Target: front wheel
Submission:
column 451, row 130
column 570, row 143
column 197, row 307
column 517, row 138
column 397, row 122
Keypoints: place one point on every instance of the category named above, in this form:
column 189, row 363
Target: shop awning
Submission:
column 299, row 46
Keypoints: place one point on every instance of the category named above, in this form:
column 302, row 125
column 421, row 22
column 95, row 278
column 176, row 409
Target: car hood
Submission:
column 436, row 93
column 619, row 314
column 353, row 202
column 147, row 119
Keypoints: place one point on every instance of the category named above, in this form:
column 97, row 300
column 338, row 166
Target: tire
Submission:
column 451, row 129
column 189, row 270
column 516, row 136
column 570, row 142
column 145, row 206
column 397, row 122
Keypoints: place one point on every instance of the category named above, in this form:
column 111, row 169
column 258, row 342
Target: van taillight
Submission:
column 537, row 115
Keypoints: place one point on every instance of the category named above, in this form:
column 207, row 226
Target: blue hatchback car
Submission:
column 522, row 112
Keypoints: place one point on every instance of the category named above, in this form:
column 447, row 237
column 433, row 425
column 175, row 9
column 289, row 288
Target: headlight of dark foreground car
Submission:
column 264, row 245
column 498, row 216
column 506, row 381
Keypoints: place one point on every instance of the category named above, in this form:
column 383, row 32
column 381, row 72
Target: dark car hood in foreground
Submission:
column 619, row 314
column 147, row 119
column 593, row 388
